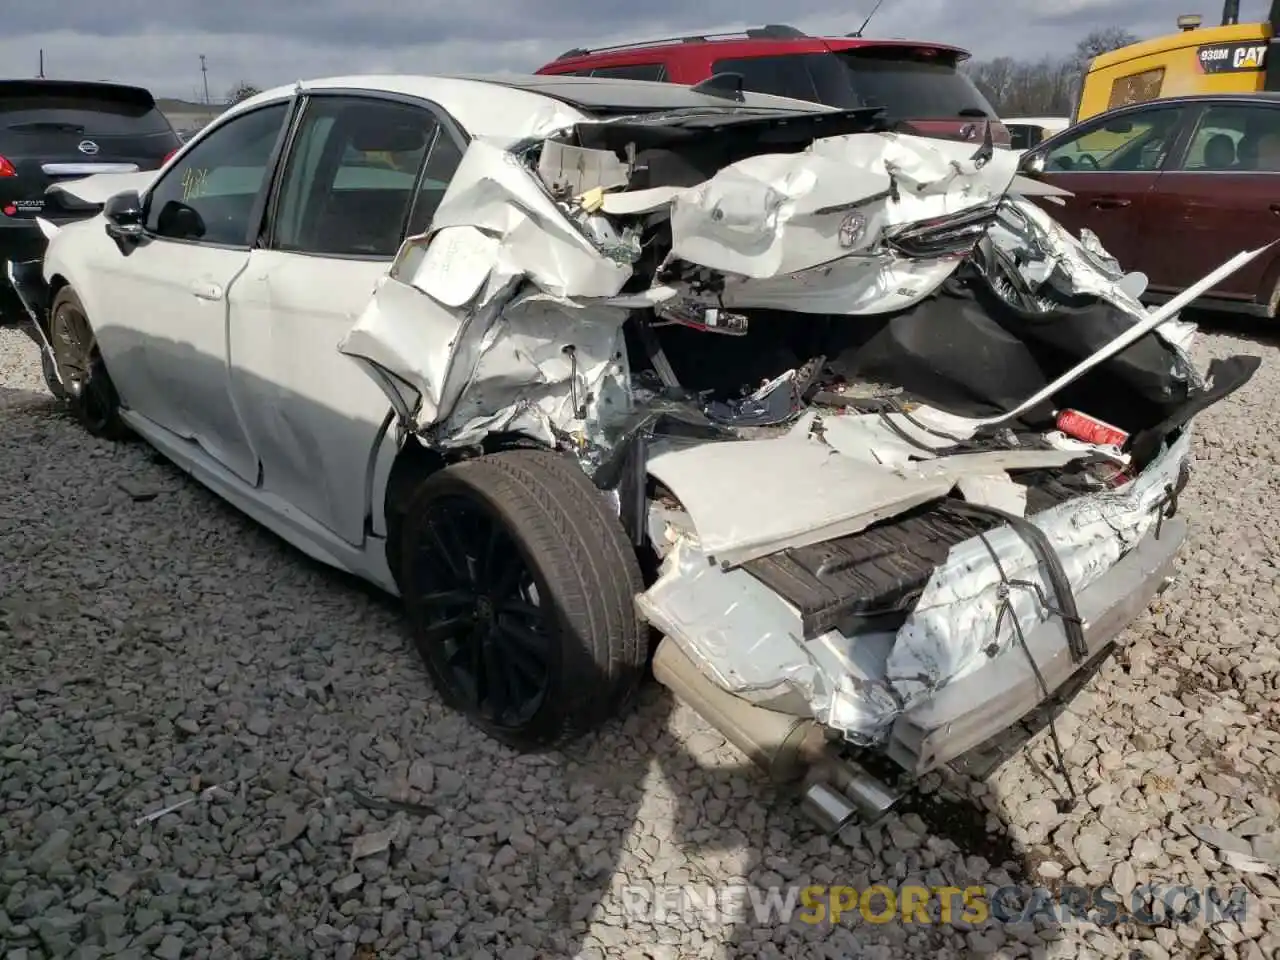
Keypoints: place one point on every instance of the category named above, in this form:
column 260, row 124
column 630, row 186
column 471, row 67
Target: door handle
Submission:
column 1110, row 203
column 206, row 290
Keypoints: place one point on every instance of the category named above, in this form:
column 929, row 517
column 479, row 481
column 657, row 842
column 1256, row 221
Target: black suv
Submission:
column 53, row 130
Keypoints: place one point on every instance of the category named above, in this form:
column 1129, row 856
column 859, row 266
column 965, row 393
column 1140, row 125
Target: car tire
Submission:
column 86, row 385
column 520, row 584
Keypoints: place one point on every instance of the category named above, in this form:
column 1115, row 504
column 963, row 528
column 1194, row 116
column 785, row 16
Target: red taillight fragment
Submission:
column 6, row 168
column 169, row 156
column 1081, row 426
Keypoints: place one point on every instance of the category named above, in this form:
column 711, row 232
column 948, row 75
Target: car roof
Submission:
column 1244, row 96
column 771, row 39
column 516, row 105
column 591, row 94
column 42, row 87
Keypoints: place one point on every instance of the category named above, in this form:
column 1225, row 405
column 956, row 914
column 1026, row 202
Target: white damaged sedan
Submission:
column 880, row 455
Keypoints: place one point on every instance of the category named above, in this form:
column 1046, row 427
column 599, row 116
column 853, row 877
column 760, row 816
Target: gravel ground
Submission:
column 155, row 643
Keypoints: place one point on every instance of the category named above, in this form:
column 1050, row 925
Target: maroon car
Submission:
column 1174, row 187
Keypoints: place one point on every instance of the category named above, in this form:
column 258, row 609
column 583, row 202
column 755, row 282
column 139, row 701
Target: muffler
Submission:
column 827, row 807
column 786, row 747
column 782, row 745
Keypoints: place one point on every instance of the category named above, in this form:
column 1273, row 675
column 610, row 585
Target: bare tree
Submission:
column 1102, row 41
column 1046, row 87
column 242, row 91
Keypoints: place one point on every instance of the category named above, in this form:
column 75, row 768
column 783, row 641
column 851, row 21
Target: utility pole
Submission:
column 204, row 70
column 41, row 75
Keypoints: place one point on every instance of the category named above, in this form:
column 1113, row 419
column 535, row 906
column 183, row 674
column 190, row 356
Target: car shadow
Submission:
column 656, row 802
column 1250, row 329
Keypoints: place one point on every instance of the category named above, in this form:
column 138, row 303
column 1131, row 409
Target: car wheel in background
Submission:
column 86, row 386
column 520, row 586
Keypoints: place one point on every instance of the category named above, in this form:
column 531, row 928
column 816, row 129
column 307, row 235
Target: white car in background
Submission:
column 1027, row 132
column 883, row 454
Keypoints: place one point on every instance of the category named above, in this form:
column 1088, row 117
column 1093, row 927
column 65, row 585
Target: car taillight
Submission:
column 6, row 168
column 169, row 156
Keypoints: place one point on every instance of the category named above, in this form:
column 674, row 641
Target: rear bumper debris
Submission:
column 954, row 673
column 971, row 711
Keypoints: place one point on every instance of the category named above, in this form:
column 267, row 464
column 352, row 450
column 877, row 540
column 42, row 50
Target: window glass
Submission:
column 1135, row 143
column 210, row 193
column 640, row 71
column 912, row 83
column 350, row 177
column 81, row 115
column 1235, row 138
column 1024, row 136
column 1136, row 88
column 442, row 162
column 782, row 76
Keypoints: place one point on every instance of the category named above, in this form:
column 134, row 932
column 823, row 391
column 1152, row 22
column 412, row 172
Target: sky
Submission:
column 157, row 43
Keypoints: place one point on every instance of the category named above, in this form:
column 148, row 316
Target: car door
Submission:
column 361, row 170
column 1111, row 166
column 164, row 300
column 1219, row 197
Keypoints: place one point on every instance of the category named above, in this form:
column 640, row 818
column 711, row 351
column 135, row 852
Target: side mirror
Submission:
column 124, row 216
column 1032, row 162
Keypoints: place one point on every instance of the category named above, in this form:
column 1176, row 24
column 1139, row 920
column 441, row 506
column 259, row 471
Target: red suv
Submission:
column 918, row 84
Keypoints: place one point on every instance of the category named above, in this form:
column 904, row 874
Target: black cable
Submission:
column 1036, row 539
column 1006, row 607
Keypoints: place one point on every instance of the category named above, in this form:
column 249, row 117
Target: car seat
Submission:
column 1219, row 153
column 1247, row 152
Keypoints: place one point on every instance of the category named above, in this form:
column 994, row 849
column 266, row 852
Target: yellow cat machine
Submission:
column 1230, row 58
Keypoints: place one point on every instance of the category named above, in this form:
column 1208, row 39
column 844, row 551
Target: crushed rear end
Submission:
column 907, row 455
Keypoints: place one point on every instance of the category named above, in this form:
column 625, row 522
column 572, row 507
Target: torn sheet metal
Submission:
column 996, row 490
column 751, row 498
column 863, row 285
column 751, row 642
column 496, row 193
column 1044, row 247
column 545, row 368
column 989, row 462
column 572, row 171
column 954, row 622
column 1134, row 333
column 431, row 320
column 775, row 214
column 101, row 187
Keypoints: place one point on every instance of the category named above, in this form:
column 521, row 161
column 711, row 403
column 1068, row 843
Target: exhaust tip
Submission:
column 827, row 807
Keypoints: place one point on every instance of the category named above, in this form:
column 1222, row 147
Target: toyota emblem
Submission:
column 87, row 147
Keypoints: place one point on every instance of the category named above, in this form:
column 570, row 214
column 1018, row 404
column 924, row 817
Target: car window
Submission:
column 442, row 162
column 912, row 84
column 645, row 71
column 91, row 113
column 1136, row 88
column 1024, row 136
column 1235, row 137
column 210, row 193
column 351, row 175
column 1131, row 144
column 782, row 76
